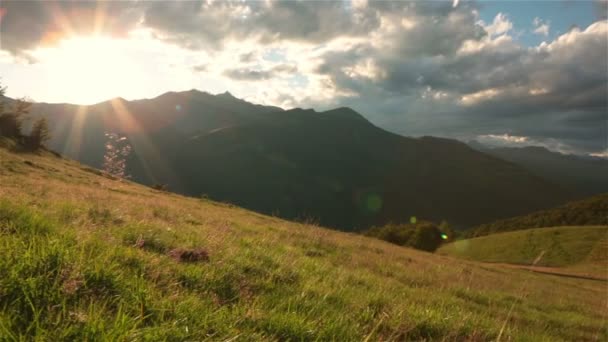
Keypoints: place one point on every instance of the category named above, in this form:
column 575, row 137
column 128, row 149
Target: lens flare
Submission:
column 444, row 236
column 373, row 203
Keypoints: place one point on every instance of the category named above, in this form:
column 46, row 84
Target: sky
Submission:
column 508, row 73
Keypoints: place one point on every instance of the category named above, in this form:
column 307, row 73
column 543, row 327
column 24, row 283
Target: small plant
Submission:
column 118, row 150
column 161, row 187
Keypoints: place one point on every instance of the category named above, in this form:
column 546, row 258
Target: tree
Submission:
column 427, row 237
column 11, row 121
column 421, row 235
column 39, row 135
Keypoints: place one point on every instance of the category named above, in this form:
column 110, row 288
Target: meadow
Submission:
column 89, row 257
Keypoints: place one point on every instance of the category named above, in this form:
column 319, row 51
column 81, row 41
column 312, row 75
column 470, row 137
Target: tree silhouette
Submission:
column 39, row 135
column 11, row 121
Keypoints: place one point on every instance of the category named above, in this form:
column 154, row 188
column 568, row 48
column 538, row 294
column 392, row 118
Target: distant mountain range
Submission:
column 332, row 167
column 584, row 176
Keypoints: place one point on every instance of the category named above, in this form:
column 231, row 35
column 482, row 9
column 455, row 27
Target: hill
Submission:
column 556, row 246
column 584, row 176
column 333, row 167
column 87, row 257
column 590, row 211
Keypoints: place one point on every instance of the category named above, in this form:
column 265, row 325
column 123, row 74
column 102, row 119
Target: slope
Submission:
column 337, row 168
column 155, row 127
column 585, row 176
column 86, row 257
column 333, row 167
column 589, row 211
column 559, row 246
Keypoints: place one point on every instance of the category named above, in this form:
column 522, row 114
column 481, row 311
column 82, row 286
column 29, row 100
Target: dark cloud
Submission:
column 200, row 68
column 196, row 24
column 483, row 85
column 416, row 67
column 260, row 75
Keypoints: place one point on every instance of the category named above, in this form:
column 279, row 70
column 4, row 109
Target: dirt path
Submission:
column 556, row 271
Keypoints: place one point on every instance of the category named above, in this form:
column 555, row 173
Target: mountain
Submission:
column 151, row 125
column 587, row 212
column 585, row 176
column 89, row 258
column 333, row 167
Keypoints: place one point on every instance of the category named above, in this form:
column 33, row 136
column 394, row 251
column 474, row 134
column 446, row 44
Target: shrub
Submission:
column 422, row 235
column 115, row 157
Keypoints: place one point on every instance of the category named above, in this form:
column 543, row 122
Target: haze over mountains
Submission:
column 585, row 176
column 333, row 167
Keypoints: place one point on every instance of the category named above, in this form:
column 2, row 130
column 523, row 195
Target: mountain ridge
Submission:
column 333, row 166
column 583, row 175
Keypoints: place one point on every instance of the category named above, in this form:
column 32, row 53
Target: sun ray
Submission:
column 100, row 18
column 73, row 142
column 141, row 143
column 60, row 20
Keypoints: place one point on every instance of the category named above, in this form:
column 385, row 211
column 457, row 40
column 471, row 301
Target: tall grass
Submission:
column 92, row 259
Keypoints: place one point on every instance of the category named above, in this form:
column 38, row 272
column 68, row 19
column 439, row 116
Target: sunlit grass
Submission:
column 560, row 246
column 88, row 258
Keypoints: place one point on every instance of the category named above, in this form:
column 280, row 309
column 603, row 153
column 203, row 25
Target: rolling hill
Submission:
column 556, row 246
column 88, row 257
column 587, row 212
column 333, row 167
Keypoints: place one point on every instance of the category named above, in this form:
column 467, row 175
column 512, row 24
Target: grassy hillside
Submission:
column 587, row 212
column 85, row 257
column 560, row 246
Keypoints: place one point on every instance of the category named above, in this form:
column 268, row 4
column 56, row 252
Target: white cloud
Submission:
column 602, row 154
column 508, row 140
column 541, row 27
column 500, row 25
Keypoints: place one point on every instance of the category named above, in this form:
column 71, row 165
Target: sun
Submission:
column 86, row 70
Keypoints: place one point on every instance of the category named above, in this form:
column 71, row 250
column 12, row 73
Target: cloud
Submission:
column 500, row 25
column 507, row 140
column 486, row 84
column 209, row 24
column 260, row 75
column 540, row 27
column 28, row 24
column 413, row 67
column 601, row 154
column 200, row 68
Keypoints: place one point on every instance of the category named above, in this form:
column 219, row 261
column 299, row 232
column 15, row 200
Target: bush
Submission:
column 423, row 235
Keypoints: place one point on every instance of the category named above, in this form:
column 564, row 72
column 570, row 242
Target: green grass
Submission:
column 85, row 257
column 560, row 246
